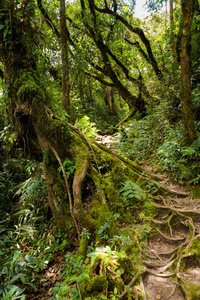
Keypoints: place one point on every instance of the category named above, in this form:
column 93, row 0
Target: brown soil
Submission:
column 52, row 274
column 164, row 276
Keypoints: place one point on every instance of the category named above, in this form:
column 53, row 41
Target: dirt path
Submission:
column 171, row 263
column 172, row 258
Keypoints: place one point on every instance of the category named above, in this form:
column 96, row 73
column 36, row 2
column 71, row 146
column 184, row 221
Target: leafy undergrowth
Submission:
column 163, row 146
column 153, row 254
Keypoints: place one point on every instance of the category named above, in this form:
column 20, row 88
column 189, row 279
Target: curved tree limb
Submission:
column 136, row 30
column 47, row 18
column 66, row 185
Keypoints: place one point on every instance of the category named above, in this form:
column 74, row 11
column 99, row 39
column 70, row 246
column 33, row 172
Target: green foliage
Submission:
column 73, row 271
column 104, row 230
column 106, row 255
column 8, row 138
column 176, row 158
column 23, row 195
column 6, row 189
column 7, row 243
column 131, row 195
column 155, row 5
column 144, row 230
column 16, row 271
column 132, row 190
column 137, row 140
column 97, row 112
column 86, row 234
column 69, row 166
column 87, row 127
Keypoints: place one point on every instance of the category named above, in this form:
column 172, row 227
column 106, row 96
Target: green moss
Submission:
column 196, row 192
column 56, row 131
column 126, row 267
column 97, row 284
column 119, row 174
column 119, row 284
column 194, row 249
column 82, row 250
column 131, row 247
column 102, row 215
column 95, row 207
column 29, row 86
column 191, row 290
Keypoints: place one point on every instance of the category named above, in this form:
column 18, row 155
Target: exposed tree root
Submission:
column 161, row 263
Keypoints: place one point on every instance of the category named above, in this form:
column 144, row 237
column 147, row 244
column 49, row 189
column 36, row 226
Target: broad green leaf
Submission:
column 16, row 255
column 108, row 250
column 115, row 291
column 101, row 230
column 13, row 289
column 16, row 277
column 87, row 277
column 29, row 259
column 5, row 32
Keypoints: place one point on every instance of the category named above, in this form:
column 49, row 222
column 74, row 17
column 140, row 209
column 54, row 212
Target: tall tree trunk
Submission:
column 91, row 97
column 109, row 101
column 187, row 7
column 65, row 59
column 171, row 18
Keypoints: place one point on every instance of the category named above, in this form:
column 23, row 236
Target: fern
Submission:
column 87, row 127
column 132, row 190
column 31, row 189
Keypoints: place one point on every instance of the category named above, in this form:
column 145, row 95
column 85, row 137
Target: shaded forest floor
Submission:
column 171, row 265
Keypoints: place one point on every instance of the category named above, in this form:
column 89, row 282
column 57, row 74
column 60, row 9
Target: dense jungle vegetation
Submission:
column 99, row 148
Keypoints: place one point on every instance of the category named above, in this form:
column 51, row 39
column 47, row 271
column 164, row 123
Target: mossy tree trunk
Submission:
column 47, row 137
column 187, row 7
column 65, row 59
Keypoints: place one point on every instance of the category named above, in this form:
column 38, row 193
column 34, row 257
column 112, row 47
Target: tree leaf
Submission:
column 108, row 250
column 29, row 259
column 5, row 32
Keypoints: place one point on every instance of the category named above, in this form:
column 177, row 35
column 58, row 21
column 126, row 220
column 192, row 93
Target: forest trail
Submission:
column 172, row 269
column 166, row 255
